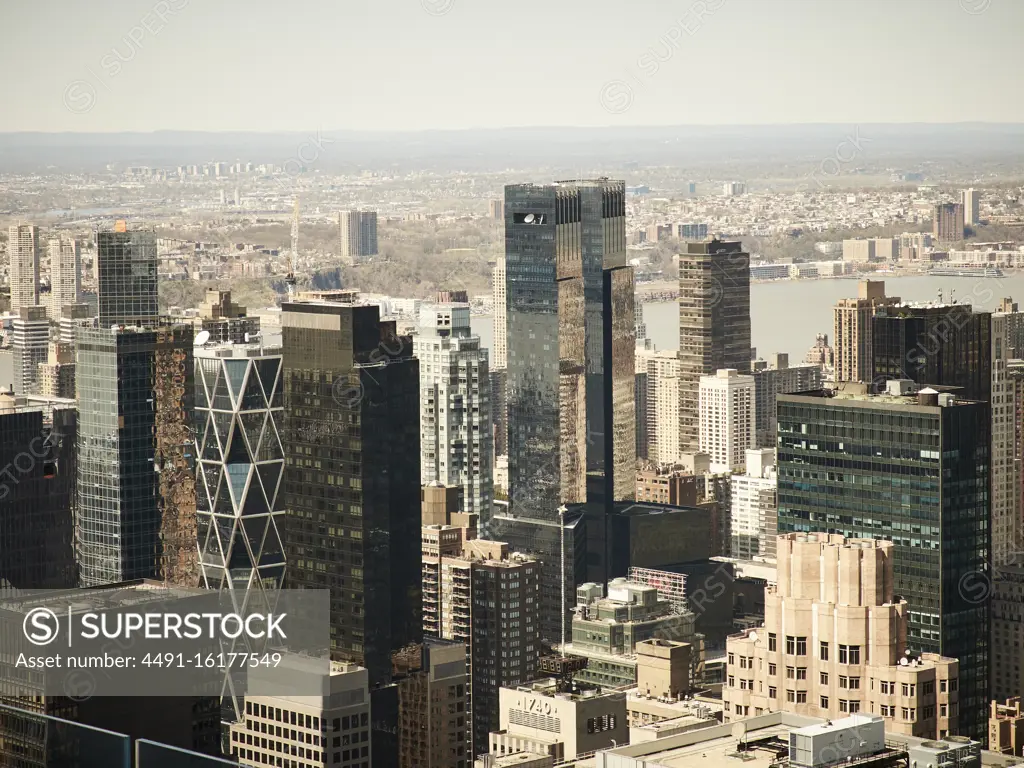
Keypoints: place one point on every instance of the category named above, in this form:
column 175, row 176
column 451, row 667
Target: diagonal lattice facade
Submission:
column 240, row 462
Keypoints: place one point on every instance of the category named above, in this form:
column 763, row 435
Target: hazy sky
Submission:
column 141, row 65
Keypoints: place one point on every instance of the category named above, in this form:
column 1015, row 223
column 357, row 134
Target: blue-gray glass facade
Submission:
column 126, row 278
column 917, row 474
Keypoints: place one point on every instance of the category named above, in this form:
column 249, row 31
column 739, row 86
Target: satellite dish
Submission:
column 201, row 338
column 739, row 730
column 528, row 218
column 246, row 338
column 114, row 327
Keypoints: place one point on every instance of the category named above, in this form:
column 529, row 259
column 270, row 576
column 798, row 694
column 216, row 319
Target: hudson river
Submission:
column 786, row 315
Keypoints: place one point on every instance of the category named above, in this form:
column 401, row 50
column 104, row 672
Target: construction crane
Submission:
column 293, row 254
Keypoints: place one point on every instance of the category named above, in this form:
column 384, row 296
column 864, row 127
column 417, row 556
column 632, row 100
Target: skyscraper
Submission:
column 358, row 233
column 852, row 332
column 925, row 460
column 456, row 441
column 714, row 323
column 65, row 274
column 948, row 223
column 969, row 199
column 571, row 331
column 660, row 376
column 352, row 476
column 570, row 321
column 29, row 340
column 773, row 378
column 500, row 351
column 126, row 277
column 23, row 257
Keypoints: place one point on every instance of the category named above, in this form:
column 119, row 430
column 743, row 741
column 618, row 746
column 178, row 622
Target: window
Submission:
column 732, row 659
column 942, row 710
column 854, row 683
column 849, row 654
column 773, row 694
column 801, row 646
column 844, row 705
column 732, row 681
column 823, row 678
column 801, row 697
column 790, row 645
column 927, row 713
column 772, row 642
column 854, row 705
column 823, row 703
column 844, row 681
column 909, row 689
column 906, row 713
column 790, row 696
column 823, row 651
column 791, row 673
column 801, row 673
column 772, row 669
column 953, row 686
column 928, row 688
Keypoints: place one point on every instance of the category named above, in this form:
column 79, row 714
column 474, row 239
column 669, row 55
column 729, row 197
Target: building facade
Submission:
column 500, row 351
column 30, row 340
column 948, row 222
column 126, row 278
column 852, row 331
column 661, row 417
column 456, row 438
column 65, row 274
column 754, row 520
column 727, row 418
column 834, row 643
column 358, row 233
column 776, row 377
column 23, row 260
column 714, row 323
column 925, row 459
column 352, row 475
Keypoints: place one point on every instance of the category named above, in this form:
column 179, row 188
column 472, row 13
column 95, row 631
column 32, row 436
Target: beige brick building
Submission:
column 834, row 643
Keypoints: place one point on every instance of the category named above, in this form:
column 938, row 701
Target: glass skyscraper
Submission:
column 571, row 336
column 126, row 278
column 352, row 476
column 913, row 470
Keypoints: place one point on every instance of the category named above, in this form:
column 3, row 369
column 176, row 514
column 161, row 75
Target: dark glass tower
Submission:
column 570, row 328
column 714, row 323
column 126, row 286
column 913, row 470
column 947, row 344
column 352, row 476
column 37, row 499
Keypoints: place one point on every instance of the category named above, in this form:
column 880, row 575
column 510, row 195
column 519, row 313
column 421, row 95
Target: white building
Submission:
column 727, row 418
column 330, row 731
column 30, row 347
column 970, row 199
column 65, row 274
column 456, row 442
column 23, row 258
column 662, row 404
column 754, row 517
column 500, row 361
column 734, row 188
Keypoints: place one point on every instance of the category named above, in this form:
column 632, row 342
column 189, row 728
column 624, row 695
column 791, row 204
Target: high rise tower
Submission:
column 714, row 323
column 352, row 476
column 126, row 272
column 571, row 339
column 66, row 274
column 23, row 256
column 358, row 233
column 456, row 441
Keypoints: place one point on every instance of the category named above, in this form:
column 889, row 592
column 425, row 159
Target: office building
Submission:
column 734, row 188
column 126, row 277
column 1005, row 592
column 925, row 458
column 72, row 318
column 570, row 324
column 727, row 418
column 969, row 199
column 1006, row 728
column 480, row 594
column 226, row 321
column 65, row 274
column 754, row 518
column 329, row 731
column 37, row 527
column 239, row 416
column 358, row 233
column 433, row 696
column 691, row 231
column 660, row 418
column 30, row 340
column 608, row 626
column 834, row 643
column 1005, row 500
column 352, row 475
column 934, row 344
column 948, row 223
column 456, row 439
column 543, row 719
column 772, row 378
column 714, row 323
column 852, row 331
column 23, row 261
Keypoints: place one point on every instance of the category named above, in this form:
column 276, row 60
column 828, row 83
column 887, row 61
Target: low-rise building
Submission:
column 1006, row 728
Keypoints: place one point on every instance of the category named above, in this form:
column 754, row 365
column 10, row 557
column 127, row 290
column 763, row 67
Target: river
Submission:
column 786, row 315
